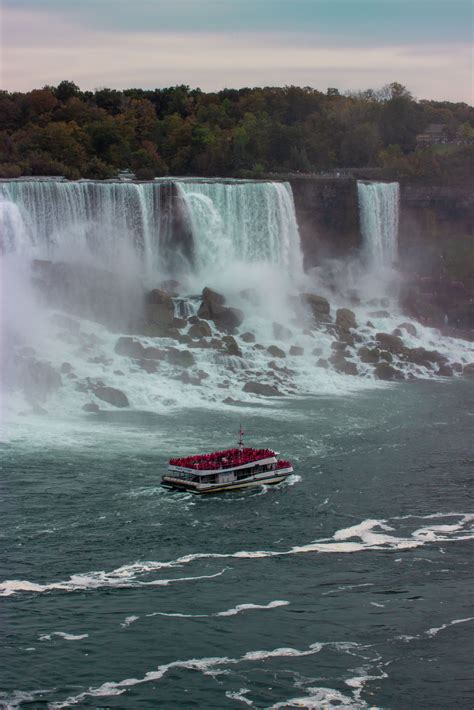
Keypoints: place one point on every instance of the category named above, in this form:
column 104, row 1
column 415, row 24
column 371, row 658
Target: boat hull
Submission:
column 211, row 488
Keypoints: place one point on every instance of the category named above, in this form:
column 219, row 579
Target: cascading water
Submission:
column 378, row 207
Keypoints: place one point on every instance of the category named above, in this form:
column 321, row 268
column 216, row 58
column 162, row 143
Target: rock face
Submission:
column 259, row 388
column 159, row 307
column 224, row 317
column 113, row 396
column 319, row 306
column 345, row 319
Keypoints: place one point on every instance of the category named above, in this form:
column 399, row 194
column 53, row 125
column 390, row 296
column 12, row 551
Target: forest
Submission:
column 250, row 132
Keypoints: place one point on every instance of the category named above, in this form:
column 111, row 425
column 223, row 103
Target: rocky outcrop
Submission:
column 112, row 396
column 389, row 342
column 224, row 317
column 319, row 306
column 262, row 389
column 202, row 329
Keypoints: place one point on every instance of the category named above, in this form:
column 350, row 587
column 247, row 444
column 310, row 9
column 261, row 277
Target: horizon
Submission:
column 216, row 44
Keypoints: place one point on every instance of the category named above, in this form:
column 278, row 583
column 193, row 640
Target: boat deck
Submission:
column 222, row 460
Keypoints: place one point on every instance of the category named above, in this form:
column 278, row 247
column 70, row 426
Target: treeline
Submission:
column 61, row 130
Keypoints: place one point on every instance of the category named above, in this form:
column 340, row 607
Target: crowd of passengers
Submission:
column 222, row 459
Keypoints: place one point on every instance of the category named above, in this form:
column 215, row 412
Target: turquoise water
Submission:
column 348, row 586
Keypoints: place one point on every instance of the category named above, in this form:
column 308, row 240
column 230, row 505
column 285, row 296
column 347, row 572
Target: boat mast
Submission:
column 241, row 437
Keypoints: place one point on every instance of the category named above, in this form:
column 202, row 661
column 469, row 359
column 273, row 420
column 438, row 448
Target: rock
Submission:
column 235, row 402
column 188, row 379
column 185, row 339
column 317, row 351
column 66, row 368
column 91, row 407
column 231, row 346
column 66, row 323
column 457, row 366
column 322, row 363
column 181, row 358
column 159, row 307
column 369, row 324
column 425, row 358
column 259, row 346
column 179, row 323
column 366, row 354
column 202, row 375
column 346, row 367
column 152, row 353
column 409, row 327
column 202, row 329
column 153, row 330
column 100, row 360
column 224, row 317
column 248, row 337
column 468, row 370
column 149, row 366
column 346, row 337
column 296, row 350
column 260, row 388
column 275, row 351
column 385, row 355
column 345, row 319
column 113, row 396
column 37, row 378
column 319, row 306
column 283, row 370
column 213, row 297
column 281, row 332
column 392, row 343
column 445, row 371
column 119, row 373
column 338, row 346
column 129, row 347
column 194, row 319
column 384, row 371
column 379, row 314
column 397, row 332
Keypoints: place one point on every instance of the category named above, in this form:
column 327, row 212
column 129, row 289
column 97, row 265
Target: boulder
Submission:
column 457, row 367
column 317, row 351
column 385, row 355
column 224, row 317
column 319, row 306
column 91, row 407
column 281, row 332
column 445, row 371
column 180, row 358
column 152, row 353
column 231, row 346
column 338, row 346
column 150, row 366
column 283, row 370
column 346, row 367
column 202, row 329
column 397, row 332
column 66, row 368
column 159, row 307
column 188, row 379
column 468, row 370
column 322, row 362
column 384, row 371
column 194, row 319
column 260, row 388
column 296, row 350
column 392, row 343
column 113, row 396
column 345, row 319
column 248, row 337
column 276, row 351
column 409, row 327
column 129, row 347
column 425, row 358
column 369, row 355
column 179, row 323
column 259, row 346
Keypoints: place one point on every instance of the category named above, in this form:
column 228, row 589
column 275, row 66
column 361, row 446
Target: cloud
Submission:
column 43, row 49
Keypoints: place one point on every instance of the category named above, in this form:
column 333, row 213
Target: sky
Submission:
column 352, row 45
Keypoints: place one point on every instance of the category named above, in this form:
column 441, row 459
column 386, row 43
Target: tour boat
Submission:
column 228, row 470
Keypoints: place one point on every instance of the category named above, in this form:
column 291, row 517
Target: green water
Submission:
column 348, row 586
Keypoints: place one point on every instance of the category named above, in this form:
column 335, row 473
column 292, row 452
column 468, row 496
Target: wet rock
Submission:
column 281, row 332
column 235, row 402
column 445, row 371
column 457, row 366
column 283, row 370
column 129, row 347
column 159, row 307
column 369, row 324
column 185, row 339
column 368, row 355
column 179, row 323
column 468, row 370
column 223, row 385
column 231, row 346
column 188, row 379
column 322, row 362
column 91, row 407
column 202, row 375
column 151, row 353
column 224, row 317
column 202, row 329
column 379, row 314
column 262, row 389
column 385, row 355
column 248, row 337
column 345, row 319
column 193, row 320
column 425, row 358
column 119, row 373
column 338, row 346
column 202, row 344
column 100, row 360
column 346, row 367
column 317, row 351
column 112, row 396
column 319, row 306
column 66, row 368
column 296, row 350
column 259, row 346
column 180, row 358
column 276, row 351
column 409, row 327
column 150, row 366
column 392, row 343
column 384, row 371
column 397, row 332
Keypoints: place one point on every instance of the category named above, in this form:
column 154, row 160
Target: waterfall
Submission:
column 246, row 222
column 378, row 206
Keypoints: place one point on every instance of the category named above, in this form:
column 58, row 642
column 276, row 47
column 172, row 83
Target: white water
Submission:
column 378, row 207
